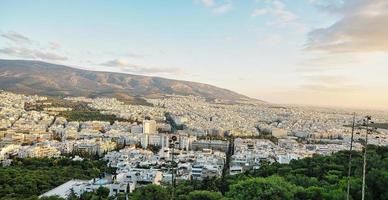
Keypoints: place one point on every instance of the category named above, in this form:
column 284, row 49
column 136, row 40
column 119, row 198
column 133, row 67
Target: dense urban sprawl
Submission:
column 173, row 138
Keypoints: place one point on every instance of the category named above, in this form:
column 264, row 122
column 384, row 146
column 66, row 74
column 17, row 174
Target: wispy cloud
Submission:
column 208, row 3
column 135, row 55
column 54, row 45
column 272, row 40
column 21, row 52
column 23, row 47
column 278, row 10
column 324, row 78
column 329, row 83
column 116, row 63
column 280, row 14
column 330, row 88
column 361, row 28
column 126, row 66
column 259, row 12
column 223, row 8
column 16, row 37
column 217, row 7
column 321, row 62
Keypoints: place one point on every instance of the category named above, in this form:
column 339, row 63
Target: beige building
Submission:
column 149, row 126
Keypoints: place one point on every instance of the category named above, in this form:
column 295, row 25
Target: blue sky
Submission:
column 281, row 51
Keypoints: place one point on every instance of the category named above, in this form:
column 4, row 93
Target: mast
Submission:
column 350, row 156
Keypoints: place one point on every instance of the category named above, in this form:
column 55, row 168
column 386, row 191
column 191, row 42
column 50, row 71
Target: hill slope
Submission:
column 36, row 77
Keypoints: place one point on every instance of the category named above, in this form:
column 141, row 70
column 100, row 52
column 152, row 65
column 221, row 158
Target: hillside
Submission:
column 36, row 77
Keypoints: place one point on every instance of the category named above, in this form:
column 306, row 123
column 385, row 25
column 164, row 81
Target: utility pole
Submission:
column 350, row 156
column 366, row 123
column 172, row 146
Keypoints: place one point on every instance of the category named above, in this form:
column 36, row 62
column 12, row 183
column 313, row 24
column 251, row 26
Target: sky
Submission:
column 310, row 52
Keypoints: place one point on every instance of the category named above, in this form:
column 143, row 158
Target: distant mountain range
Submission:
column 36, row 77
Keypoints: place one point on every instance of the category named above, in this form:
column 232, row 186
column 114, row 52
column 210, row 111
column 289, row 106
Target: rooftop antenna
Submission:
column 350, row 156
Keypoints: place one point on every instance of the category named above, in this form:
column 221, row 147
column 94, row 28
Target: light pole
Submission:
column 350, row 156
column 369, row 130
column 173, row 142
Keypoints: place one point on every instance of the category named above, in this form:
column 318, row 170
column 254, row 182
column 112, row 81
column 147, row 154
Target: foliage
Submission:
column 203, row 195
column 273, row 187
column 89, row 115
column 30, row 177
column 174, row 127
column 100, row 194
column 155, row 149
column 150, row 192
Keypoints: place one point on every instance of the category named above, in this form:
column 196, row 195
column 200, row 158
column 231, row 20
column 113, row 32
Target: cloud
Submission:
column 208, row 3
column 329, row 83
column 327, row 62
column 16, row 37
column 283, row 15
column 333, row 79
column 329, row 88
column 217, row 7
column 49, row 56
column 223, row 8
column 135, row 55
column 272, row 40
column 54, row 45
column 116, row 63
column 126, row 66
column 24, row 47
column 362, row 27
column 277, row 9
column 259, row 12
column 21, row 52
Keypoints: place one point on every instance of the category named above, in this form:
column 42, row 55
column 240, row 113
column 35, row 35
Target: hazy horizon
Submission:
column 309, row 52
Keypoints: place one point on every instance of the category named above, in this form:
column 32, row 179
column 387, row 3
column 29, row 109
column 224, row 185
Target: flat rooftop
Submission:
column 64, row 189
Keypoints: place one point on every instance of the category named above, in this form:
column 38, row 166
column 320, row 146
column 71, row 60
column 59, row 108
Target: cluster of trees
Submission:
column 174, row 127
column 89, row 115
column 30, row 177
column 81, row 111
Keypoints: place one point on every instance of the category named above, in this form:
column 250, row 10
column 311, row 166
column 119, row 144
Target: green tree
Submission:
column 273, row 187
column 203, row 195
column 150, row 192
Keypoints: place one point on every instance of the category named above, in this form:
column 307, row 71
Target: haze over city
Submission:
column 292, row 52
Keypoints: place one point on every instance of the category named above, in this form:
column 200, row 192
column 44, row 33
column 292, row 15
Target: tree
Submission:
column 30, row 177
column 150, row 192
column 155, row 149
column 102, row 192
column 203, row 195
column 273, row 187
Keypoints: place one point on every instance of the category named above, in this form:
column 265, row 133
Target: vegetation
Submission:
column 174, row 127
column 30, row 177
column 89, row 115
column 81, row 111
column 153, row 148
column 137, row 100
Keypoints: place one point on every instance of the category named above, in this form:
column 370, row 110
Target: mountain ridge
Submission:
column 43, row 78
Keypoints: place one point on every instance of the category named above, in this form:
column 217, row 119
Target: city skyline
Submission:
column 307, row 52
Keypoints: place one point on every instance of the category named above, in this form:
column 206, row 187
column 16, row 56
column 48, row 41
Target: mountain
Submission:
column 36, row 77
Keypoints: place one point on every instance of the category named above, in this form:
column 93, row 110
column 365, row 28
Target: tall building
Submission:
column 149, row 126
